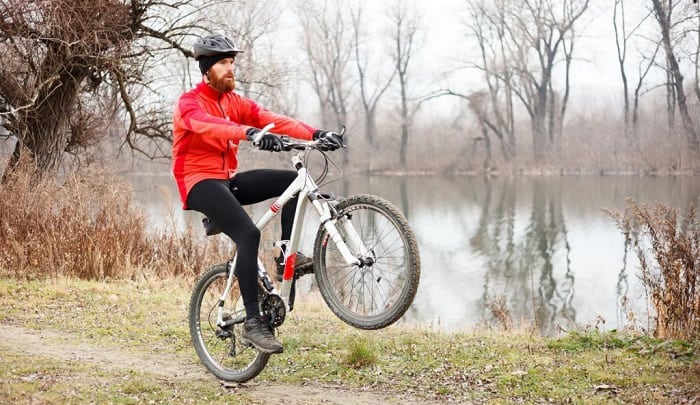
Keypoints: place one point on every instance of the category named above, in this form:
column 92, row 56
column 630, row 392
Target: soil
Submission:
column 59, row 345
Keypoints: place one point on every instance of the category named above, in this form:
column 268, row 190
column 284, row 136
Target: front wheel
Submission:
column 378, row 292
column 220, row 348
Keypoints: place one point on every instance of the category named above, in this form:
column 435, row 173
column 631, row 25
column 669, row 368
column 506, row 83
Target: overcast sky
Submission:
column 595, row 72
column 444, row 42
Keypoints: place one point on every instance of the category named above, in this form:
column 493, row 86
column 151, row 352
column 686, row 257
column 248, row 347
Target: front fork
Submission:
column 352, row 242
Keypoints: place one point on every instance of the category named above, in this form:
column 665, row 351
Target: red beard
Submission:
column 224, row 84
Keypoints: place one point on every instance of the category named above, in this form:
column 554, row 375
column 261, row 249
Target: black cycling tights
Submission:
column 222, row 202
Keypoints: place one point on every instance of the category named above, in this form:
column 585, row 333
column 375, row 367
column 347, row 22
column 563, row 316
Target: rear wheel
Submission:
column 378, row 292
column 219, row 348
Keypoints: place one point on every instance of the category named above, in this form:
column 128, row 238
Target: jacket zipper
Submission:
column 228, row 145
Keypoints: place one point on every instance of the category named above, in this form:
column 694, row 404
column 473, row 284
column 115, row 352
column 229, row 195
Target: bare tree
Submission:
column 643, row 69
column 696, row 55
column 621, row 41
column 541, row 28
column 260, row 72
column 404, row 36
column 371, row 92
column 68, row 66
column 521, row 43
column 663, row 12
column 487, row 25
column 327, row 41
column 623, row 38
column 478, row 106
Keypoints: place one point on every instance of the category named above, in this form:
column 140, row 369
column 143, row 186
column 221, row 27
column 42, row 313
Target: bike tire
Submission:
column 375, row 296
column 225, row 357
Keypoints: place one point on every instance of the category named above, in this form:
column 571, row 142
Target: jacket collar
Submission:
column 208, row 91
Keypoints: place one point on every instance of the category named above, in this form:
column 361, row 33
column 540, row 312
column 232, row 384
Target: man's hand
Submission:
column 270, row 142
column 330, row 138
column 267, row 142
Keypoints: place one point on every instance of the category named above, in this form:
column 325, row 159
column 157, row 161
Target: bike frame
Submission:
column 308, row 192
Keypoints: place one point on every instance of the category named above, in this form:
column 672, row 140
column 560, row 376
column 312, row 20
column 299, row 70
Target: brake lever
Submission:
column 341, row 133
column 287, row 145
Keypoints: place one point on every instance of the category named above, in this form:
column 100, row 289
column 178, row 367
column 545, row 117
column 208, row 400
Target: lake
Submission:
column 543, row 246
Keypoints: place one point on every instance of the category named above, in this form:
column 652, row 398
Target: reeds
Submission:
column 88, row 226
column 668, row 250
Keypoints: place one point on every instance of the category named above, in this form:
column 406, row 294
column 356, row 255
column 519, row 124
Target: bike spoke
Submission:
column 220, row 349
column 377, row 292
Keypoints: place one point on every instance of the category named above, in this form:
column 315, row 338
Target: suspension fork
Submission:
column 355, row 239
column 329, row 218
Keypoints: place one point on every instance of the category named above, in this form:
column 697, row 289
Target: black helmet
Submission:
column 214, row 45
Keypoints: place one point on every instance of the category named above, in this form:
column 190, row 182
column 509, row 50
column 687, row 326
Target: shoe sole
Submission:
column 250, row 343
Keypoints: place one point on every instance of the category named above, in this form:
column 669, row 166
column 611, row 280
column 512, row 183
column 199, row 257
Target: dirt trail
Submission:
column 64, row 346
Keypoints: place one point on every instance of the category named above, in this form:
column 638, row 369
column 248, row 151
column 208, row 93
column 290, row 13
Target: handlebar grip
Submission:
column 262, row 133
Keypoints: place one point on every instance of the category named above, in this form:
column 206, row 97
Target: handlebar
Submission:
column 289, row 143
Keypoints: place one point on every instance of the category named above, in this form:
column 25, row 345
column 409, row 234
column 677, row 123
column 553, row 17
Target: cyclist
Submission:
column 209, row 122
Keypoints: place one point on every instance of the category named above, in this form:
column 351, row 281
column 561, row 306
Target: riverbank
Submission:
column 72, row 341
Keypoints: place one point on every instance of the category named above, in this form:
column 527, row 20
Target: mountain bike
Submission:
column 365, row 260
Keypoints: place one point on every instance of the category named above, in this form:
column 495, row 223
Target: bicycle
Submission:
column 365, row 260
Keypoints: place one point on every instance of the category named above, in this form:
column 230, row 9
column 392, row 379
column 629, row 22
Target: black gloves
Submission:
column 331, row 139
column 270, row 142
column 326, row 140
column 267, row 142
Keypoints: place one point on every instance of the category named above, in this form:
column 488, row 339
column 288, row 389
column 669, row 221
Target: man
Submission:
column 209, row 122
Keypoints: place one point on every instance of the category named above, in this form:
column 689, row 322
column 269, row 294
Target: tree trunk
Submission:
column 675, row 71
column 539, row 122
column 44, row 131
column 370, row 126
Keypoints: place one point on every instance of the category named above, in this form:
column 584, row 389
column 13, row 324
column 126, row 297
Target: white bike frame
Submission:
column 308, row 191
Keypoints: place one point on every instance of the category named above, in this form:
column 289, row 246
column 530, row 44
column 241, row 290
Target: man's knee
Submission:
column 249, row 236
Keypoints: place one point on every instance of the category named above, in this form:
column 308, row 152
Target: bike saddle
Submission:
column 209, row 227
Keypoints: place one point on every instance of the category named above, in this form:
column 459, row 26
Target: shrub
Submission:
column 88, row 226
column 669, row 255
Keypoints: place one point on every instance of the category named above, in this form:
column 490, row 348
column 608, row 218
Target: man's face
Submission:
column 221, row 75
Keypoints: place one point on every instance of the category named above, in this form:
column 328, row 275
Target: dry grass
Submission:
column 669, row 256
column 498, row 309
column 88, row 226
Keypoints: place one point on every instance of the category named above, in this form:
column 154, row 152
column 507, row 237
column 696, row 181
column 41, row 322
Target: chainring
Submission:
column 275, row 310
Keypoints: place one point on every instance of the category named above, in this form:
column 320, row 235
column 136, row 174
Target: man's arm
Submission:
column 190, row 115
column 258, row 117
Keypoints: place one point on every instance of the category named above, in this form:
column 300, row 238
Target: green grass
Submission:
column 149, row 318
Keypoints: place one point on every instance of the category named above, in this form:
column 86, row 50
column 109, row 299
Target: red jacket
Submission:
column 207, row 127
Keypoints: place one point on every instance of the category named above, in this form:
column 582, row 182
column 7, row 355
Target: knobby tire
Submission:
column 375, row 296
column 213, row 351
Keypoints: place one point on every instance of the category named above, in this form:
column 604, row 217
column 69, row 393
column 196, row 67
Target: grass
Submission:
column 148, row 319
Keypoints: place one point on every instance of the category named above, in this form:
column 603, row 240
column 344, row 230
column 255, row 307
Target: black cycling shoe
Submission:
column 257, row 332
column 303, row 265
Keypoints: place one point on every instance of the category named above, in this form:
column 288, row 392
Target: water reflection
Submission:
column 544, row 244
column 535, row 264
